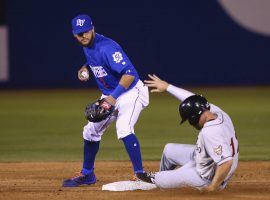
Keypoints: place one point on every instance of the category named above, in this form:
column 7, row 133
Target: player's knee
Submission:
column 167, row 149
column 90, row 133
column 122, row 134
column 123, row 130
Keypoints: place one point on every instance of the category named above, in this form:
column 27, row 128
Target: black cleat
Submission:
column 148, row 177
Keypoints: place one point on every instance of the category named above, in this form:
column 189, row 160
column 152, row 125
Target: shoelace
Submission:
column 152, row 176
column 77, row 174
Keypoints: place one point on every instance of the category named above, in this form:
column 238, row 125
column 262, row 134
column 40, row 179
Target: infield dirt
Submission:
column 42, row 180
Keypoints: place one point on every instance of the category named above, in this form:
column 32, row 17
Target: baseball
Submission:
column 85, row 75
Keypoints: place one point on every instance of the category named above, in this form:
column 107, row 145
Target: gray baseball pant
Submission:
column 179, row 155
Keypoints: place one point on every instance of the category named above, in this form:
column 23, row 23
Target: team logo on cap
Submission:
column 117, row 57
column 80, row 22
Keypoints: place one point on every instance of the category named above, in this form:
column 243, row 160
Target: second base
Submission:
column 128, row 186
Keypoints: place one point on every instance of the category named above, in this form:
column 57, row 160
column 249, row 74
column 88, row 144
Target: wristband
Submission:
column 118, row 91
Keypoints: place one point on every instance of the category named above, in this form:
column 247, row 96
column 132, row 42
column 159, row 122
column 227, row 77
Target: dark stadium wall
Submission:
column 186, row 42
column 4, row 66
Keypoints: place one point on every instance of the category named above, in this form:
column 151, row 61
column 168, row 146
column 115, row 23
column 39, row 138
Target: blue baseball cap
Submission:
column 81, row 23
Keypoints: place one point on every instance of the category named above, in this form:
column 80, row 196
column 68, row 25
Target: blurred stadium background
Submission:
column 203, row 46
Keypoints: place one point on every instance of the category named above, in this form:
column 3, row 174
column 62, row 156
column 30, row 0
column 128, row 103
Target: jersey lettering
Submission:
column 103, row 82
column 99, row 71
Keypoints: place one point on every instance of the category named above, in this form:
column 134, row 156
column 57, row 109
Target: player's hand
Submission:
column 210, row 188
column 156, row 83
column 83, row 74
column 110, row 100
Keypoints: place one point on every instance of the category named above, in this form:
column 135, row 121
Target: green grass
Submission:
column 46, row 125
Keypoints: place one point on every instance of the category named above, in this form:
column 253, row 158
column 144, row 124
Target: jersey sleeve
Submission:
column 86, row 64
column 118, row 61
column 217, row 147
column 179, row 93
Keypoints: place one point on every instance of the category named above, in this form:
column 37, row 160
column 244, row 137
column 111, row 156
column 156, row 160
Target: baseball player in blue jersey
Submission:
column 121, row 90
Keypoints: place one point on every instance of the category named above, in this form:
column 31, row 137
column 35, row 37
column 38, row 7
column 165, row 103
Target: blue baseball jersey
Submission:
column 108, row 63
